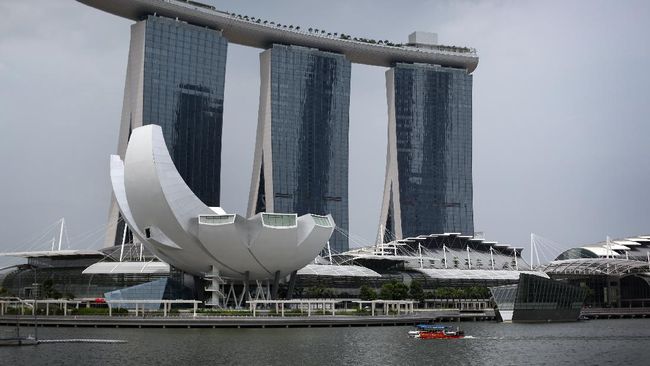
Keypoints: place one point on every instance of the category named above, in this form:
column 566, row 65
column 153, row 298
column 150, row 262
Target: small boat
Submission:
column 428, row 331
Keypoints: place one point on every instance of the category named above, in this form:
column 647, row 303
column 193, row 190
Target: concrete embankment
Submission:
column 201, row 321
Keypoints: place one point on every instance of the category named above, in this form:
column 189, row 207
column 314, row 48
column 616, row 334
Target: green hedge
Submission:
column 97, row 311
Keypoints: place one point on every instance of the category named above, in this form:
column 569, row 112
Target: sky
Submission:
column 560, row 113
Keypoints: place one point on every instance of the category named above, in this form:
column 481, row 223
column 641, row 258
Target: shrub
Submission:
column 98, row 311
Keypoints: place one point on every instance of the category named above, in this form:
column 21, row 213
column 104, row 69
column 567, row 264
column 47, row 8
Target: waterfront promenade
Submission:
column 216, row 321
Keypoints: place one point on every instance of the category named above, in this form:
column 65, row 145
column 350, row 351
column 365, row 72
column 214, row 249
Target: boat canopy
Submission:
column 431, row 327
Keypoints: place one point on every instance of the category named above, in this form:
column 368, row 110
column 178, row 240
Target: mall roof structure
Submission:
column 476, row 274
column 259, row 33
column 337, row 271
column 441, row 251
column 53, row 253
column 596, row 266
column 632, row 248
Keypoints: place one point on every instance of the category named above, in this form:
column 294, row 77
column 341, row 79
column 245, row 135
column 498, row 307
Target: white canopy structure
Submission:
column 337, row 271
column 150, row 267
column 597, row 266
column 477, row 274
column 167, row 217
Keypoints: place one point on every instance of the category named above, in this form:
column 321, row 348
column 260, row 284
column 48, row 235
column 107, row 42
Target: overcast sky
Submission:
column 561, row 133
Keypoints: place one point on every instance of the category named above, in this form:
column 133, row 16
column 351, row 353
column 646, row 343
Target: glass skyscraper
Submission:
column 301, row 154
column 428, row 185
column 175, row 79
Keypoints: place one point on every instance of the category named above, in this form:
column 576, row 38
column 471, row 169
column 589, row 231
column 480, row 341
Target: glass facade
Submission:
column 216, row 219
column 309, row 102
column 537, row 299
column 433, row 116
column 153, row 290
column 65, row 273
column 278, row 220
column 184, row 75
column 175, row 79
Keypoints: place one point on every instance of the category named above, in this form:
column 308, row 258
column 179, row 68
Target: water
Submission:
column 596, row 342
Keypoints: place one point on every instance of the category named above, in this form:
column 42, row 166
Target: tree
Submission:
column 49, row 291
column 319, row 292
column 394, row 290
column 366, row 293
column 457, row 293
column 386, row 291
column 442, row 293
column 416, row 291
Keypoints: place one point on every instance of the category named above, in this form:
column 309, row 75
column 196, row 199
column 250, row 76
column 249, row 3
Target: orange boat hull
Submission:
column 438, row 335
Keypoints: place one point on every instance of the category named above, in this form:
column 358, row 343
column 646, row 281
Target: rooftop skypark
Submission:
column 260, row 33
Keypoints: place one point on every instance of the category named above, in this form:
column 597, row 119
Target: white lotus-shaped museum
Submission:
column 163, row 213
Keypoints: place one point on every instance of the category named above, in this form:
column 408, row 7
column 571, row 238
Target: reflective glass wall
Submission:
column 184, row 74
column 433, row 115
column 309, row 109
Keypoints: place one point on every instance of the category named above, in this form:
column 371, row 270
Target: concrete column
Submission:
column 165, row 309
column 309, row 309
column 47, row 308
column 282, row 306
column 372, row 306
column 246, row 291
column 292, row 285
column 194, row 315
column 110, row 310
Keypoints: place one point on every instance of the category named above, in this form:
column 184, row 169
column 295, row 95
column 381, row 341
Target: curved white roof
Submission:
column 597, row 266
column 176, row 226
column 53, row 253
column 251, row 33
column 336, row 270
column 127, row 268
column 603, row 251
column 476, row 274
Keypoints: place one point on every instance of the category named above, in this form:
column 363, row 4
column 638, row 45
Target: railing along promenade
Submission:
column 263, row 319
column 609, row 313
